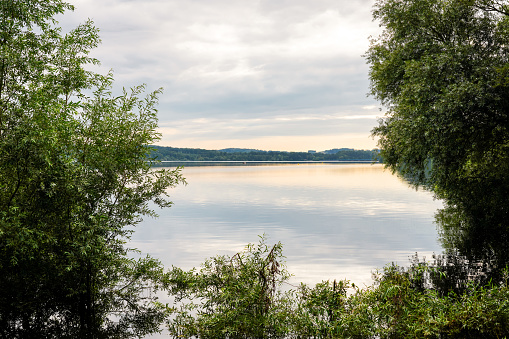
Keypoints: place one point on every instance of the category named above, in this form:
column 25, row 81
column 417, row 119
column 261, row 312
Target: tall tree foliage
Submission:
column 441, row 68
column 74, row 179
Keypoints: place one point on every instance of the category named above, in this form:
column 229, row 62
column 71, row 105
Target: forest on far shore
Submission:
column 163, row 153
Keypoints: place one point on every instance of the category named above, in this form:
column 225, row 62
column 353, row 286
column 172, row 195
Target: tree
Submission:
column 74, row 180
column 441, row 68
column 233, row 297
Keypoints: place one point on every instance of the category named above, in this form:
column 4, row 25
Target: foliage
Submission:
column 329, row 311
column 229, row 297
column 74, row 179
column 440, row 68
column 235, row 296
column 398, row 305
column 403, row 310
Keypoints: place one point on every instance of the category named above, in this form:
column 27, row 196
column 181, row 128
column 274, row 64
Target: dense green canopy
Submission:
column 441, row 67
column 74, row 179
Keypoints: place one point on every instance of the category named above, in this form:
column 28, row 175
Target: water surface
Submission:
column 336, row 221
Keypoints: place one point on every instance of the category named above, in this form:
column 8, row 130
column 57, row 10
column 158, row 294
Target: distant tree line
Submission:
column 196, row 154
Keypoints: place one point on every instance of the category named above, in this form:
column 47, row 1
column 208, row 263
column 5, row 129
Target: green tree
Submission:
column 441, row 68
column 233, row 297
column 74, row 180
column 329, row 311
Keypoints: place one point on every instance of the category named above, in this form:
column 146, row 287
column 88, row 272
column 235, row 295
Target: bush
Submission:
column 242, row 297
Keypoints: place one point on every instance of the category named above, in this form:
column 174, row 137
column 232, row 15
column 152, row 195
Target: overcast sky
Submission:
column 264, row 74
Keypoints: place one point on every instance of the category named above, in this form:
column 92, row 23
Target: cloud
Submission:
column 239, row 61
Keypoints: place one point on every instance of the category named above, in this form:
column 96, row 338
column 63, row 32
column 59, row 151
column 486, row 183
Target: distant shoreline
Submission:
column 197, row 163
column 170, row 155
column 275, row 162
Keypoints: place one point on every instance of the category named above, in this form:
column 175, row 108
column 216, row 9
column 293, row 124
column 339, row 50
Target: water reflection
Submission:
column 476, row 246
column 335, row 221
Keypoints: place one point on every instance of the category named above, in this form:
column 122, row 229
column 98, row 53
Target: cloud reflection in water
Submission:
column 335, row 221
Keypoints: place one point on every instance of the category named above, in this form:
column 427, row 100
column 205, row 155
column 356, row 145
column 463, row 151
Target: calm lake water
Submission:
column 336, row 221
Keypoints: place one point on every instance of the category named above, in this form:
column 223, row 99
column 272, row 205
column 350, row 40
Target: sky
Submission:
column 282, row 75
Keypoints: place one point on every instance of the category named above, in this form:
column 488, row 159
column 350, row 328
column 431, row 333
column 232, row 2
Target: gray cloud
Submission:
column 238, row 61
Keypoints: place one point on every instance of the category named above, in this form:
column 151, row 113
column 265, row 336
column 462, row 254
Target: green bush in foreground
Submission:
column 245, row 296
column 234, row 297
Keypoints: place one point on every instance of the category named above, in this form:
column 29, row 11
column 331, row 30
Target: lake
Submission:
column 336, row 221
